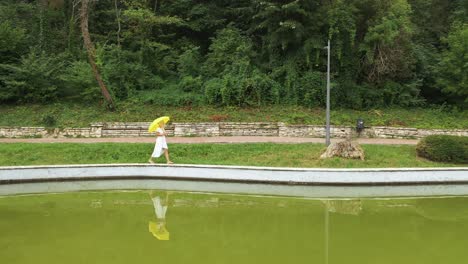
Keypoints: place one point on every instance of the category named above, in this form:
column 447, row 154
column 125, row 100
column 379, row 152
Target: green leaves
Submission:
column 79, row 82
column 228, row 50
column 11, row 39
column 443, row 148
column 283, row 25
column 189, row 61
column 243, row 52
column 35, row 79
column 452, row 75
column 145, row 16
column 241, row 83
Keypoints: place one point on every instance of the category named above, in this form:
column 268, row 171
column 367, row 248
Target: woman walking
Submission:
column 161, row 144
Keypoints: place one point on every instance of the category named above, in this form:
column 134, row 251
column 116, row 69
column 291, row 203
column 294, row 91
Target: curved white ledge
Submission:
column 239, row 174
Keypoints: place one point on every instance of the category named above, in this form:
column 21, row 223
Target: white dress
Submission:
column 160, row 144
column 159, row 209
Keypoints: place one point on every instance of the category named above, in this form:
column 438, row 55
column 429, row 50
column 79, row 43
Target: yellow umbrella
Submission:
column 155, row 124
column 158, row 230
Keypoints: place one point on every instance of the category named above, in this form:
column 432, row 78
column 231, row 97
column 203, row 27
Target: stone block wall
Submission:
column 454, row 132
column 140, row 129
column 248, row 129
column 12, row 132
column 196, row 129
column 403, row 132
column 129, row 129
column 313, row 131
column 75, row 132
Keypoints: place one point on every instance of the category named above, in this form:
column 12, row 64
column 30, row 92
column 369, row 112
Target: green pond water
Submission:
column 176, row 227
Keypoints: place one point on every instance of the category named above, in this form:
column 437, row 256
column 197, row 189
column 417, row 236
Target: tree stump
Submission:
column 345, row 149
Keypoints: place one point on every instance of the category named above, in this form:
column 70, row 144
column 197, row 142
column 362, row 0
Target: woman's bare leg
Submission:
column 166, row 154
column 151, row 160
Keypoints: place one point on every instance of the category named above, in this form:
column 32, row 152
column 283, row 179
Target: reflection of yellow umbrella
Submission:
column 156, row 122
column 158, row 230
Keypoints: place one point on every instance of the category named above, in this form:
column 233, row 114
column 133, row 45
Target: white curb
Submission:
column 242, row 174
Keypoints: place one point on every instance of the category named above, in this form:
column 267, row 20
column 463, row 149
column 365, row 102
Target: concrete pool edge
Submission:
column 235, row 174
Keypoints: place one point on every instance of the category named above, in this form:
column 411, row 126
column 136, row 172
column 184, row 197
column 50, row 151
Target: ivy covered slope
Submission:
column 78, row 115
column 244, row 53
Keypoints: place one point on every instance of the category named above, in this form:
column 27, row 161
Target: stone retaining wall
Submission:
column 12, row 132
column 139, row 129
column 249, row 129
column 196, row 129
column 314, row 131
column 130, row 129
column 403, row 132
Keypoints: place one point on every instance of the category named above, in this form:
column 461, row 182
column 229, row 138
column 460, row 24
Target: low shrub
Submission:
column 190, row 84
column 219, row 118
column 170, row 96
column 444, row 148
column 49, row 120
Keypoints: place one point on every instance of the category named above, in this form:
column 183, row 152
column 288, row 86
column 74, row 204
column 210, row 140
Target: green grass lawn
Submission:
column 267, row 154
column 77, row 115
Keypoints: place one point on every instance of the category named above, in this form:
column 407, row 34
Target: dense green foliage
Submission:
column 266, row 154
column 444, row 148
column 238, row 53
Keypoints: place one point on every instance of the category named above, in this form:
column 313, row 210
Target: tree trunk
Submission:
column 42, row 7
column 345, row 149
column 157, row 6
column 117, row 14
column 92, row 52
column 71, row 25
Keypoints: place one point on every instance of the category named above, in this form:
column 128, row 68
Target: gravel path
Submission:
column 195, row 140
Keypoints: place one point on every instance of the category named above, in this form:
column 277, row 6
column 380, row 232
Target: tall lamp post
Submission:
column 327, row 140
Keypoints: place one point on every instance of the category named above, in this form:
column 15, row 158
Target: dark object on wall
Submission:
column 359, row 125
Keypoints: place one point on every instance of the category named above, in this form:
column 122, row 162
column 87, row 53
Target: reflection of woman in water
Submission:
column 158, row 228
